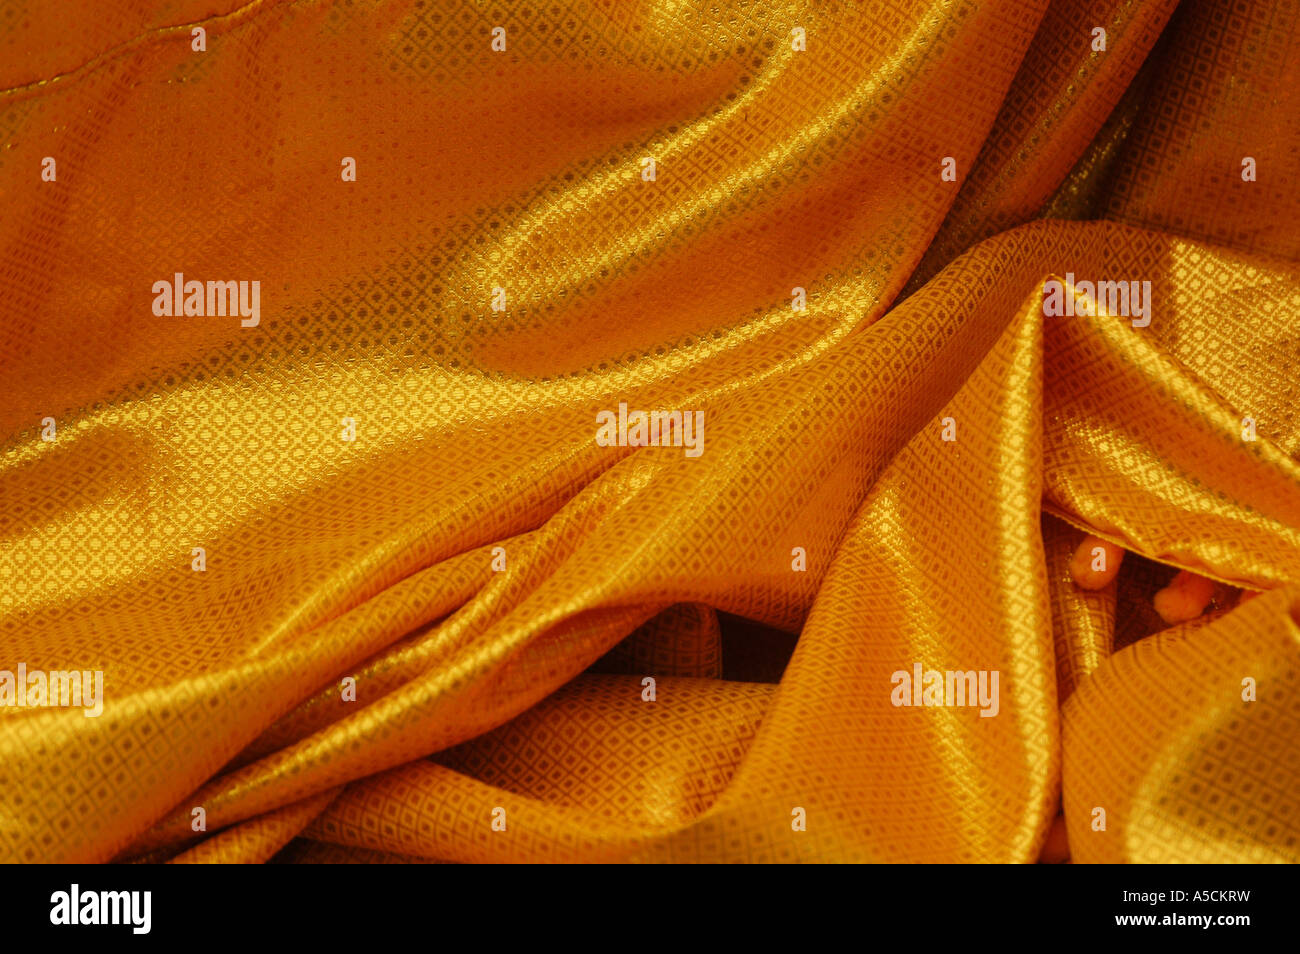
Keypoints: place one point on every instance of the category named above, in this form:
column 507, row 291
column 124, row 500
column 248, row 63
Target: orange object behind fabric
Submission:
column 472, row 551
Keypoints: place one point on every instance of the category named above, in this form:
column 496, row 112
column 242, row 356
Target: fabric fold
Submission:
column 591, row 347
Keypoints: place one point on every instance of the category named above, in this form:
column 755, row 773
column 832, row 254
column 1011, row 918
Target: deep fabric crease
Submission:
column 496, row 583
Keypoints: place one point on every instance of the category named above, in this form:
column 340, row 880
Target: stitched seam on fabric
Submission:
column 38, row 86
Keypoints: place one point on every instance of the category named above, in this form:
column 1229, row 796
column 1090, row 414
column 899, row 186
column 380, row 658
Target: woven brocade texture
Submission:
column 365, row 585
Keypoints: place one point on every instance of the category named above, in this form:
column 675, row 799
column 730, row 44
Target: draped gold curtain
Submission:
column 497, row 583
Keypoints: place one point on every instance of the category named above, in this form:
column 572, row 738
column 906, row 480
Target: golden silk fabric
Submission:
column 496, row 581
